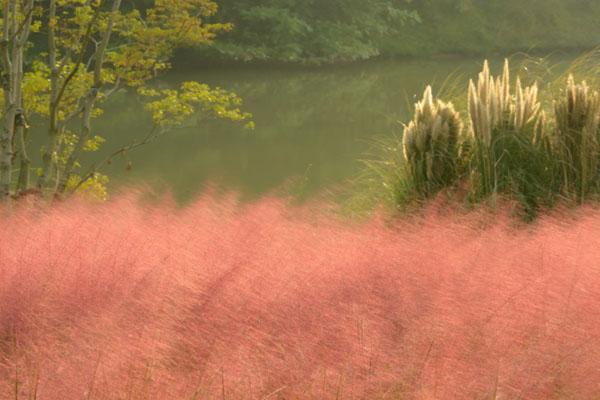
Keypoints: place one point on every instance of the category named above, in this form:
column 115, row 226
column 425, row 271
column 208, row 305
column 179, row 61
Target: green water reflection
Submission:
column 311, row 125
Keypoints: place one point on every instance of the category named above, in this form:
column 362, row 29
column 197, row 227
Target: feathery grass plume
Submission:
column 492, row 108
column 577, row 116
column 505, row 156
column 430, row 144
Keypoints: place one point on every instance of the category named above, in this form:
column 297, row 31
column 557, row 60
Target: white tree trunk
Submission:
column 8, row 79
column 53, row 131
column 14, row 38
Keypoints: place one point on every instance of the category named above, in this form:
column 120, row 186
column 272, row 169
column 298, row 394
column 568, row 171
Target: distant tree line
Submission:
column 483, row 27
column 314, row 31
column 329, row 31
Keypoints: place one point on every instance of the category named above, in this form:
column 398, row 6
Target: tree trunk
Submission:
column 25, row 162
column 9, row 11
column 53, row 132
column 15, row 35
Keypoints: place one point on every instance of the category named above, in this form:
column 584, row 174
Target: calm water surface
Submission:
column 311, row 126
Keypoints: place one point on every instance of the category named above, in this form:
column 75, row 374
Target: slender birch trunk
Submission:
column 14, row 40
column 19, row 120
column 9, row 9
column 25, row 162
column 20, row 124
column 53, row 132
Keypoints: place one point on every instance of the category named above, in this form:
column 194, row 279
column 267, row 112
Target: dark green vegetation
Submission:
column 313, row 31
column 316, row 31
column 482, row 27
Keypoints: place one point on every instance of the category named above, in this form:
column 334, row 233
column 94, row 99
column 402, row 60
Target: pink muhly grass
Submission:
column 219, row 301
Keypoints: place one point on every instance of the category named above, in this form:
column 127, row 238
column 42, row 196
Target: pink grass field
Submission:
column 220, row 301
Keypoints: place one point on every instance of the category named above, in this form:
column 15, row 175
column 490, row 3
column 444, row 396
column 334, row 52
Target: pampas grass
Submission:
column 430, row 144
column 502, row 130
column 539, row 148
column 575, row 139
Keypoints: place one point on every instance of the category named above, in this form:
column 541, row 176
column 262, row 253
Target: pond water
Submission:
column 312, row 126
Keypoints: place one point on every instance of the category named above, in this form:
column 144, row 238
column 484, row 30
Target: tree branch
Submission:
column 154, row 133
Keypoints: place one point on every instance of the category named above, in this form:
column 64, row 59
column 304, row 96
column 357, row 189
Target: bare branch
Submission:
column 154, row 134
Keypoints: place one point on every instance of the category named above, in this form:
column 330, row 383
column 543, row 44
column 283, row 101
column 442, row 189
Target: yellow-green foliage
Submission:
column 430, row 144
column 575, row 138
column 171, row 108
column 96, row 48
column 151, row 38
column 93, row 188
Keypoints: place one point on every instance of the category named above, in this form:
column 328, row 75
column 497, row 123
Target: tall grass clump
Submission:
column 430, row 145
column 261, row 301
column 575, row 138
column 507, row 155
column 535, row 149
